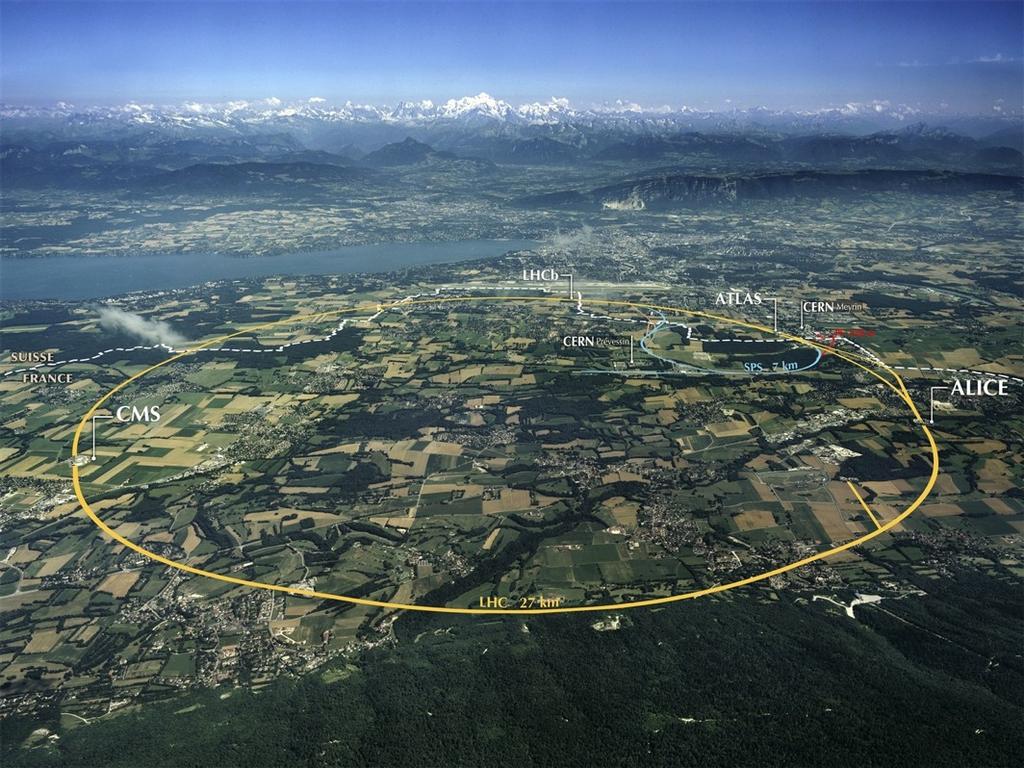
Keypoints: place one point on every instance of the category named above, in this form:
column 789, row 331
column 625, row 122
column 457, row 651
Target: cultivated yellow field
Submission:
column 751, row 519
column 119, row 584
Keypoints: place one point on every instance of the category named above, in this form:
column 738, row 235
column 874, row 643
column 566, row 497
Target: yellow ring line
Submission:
column 896, row 385
column 863, row 503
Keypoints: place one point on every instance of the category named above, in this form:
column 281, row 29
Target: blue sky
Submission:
column 966, row 56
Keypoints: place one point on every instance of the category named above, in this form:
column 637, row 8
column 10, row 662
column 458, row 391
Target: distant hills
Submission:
column 679, row 189
column 22, row 167
column 406, row 152
column 193, row 166
column 247, row 146
column 151, row 163
column 242, row 177
column 412, row 152
column 916, row 145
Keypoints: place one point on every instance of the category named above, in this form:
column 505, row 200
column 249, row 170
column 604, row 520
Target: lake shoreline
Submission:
column 80, row 278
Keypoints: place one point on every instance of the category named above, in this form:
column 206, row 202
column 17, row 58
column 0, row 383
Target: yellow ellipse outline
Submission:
column 896, row 385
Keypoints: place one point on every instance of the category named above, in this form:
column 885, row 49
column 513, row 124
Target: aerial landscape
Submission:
column 672, row 419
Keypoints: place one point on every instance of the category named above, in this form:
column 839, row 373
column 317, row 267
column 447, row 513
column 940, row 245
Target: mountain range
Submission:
column 252, row 146
column 483, row 111
column 679, row 190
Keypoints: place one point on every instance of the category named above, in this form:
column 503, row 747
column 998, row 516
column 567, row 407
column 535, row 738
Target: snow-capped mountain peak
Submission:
column 483, row 105
column 483, row 109
column 554, row 110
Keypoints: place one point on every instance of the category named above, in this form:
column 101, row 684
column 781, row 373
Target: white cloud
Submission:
column 999, row 58
column 116, row 320
column 565, row 241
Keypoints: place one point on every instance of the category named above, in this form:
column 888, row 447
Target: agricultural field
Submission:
column 422, row 444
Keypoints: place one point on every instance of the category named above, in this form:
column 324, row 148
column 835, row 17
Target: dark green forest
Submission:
column 738, row 681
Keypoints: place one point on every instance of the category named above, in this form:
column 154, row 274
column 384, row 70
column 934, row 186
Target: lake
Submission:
column 94, row 277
